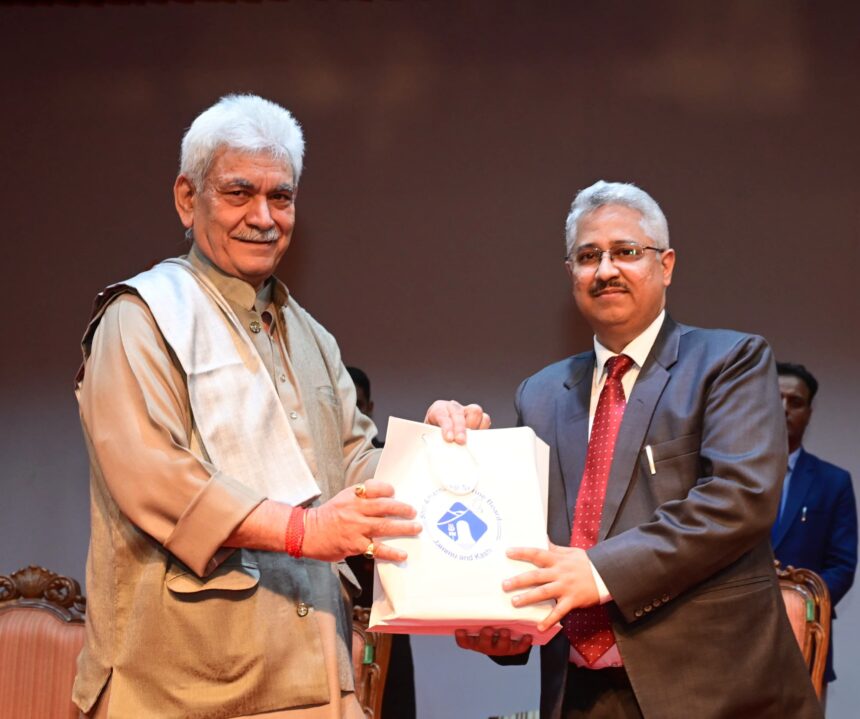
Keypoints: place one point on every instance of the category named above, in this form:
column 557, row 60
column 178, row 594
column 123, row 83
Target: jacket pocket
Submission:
column 733, row 589
column 677, row 447
column 671, row 468
column 239, row 572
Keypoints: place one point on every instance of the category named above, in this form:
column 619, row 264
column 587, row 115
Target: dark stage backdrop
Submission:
column 445, row 142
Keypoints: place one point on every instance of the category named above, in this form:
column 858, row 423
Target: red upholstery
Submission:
column 38, row 652
column 796, row 607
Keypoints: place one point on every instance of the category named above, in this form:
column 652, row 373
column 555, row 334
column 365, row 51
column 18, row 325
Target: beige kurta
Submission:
column 173, row 631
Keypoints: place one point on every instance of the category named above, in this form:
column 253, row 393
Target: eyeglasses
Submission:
column 624, row 254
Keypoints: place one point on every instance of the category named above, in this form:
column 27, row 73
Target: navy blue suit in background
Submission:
column 818, row 528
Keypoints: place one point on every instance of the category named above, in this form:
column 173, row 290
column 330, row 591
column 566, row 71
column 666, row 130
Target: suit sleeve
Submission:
column 840, row 561
column 724, row 511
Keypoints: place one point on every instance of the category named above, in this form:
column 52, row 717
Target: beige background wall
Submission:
column 445, row 141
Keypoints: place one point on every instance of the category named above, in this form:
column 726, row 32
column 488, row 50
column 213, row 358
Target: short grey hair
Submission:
column 241, row 122
column 617, row 193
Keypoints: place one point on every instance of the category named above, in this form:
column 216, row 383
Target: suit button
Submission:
column 255, row 326
column 302, row 609
column 666, row 597
column 656, row 603
column 648, row 607
column 638, row 613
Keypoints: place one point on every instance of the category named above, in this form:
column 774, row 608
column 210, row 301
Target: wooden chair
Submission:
column 371, row 653
column 807, row 602
column 41, row 634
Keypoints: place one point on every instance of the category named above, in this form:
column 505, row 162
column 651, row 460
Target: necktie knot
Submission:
column 618, row 365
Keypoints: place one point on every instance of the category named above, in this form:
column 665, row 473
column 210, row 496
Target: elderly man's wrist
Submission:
column 294, row 536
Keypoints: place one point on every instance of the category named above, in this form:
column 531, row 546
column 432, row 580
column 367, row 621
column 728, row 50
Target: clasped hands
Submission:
column 348, row 522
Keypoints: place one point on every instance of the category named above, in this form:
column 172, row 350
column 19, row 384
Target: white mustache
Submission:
column 272, row 235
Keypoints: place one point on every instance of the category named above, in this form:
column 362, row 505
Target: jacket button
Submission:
column 638, row 613
column 302, row 609
column 665, row 597
column 255, row 326
column 648, row 607
column 656, row 603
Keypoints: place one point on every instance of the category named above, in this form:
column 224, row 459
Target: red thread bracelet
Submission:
column 295, row 533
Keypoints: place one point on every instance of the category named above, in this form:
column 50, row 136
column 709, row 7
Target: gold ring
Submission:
column 368, row 553
column 360, row 490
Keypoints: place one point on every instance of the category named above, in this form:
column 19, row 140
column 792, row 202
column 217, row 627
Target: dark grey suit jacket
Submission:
column 684, row 551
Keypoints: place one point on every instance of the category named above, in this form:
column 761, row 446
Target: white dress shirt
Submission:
column 637, row 350
column 792, row 460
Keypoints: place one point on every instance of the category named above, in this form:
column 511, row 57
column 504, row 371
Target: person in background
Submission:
column 230, row 472
column 398, row 700
column 816, row 527
column 362, row 396
column 667, row 444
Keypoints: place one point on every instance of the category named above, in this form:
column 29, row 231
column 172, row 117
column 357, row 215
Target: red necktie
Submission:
column 588, row 629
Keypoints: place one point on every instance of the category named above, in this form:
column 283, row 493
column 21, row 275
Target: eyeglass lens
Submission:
column 592, row 256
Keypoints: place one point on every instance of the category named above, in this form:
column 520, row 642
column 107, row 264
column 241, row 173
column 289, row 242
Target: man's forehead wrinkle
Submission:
column 233, row 180
column 612, row 242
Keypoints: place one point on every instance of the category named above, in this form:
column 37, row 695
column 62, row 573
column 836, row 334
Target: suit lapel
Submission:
column 798, row 487
column 637, row 418
column 572, row 429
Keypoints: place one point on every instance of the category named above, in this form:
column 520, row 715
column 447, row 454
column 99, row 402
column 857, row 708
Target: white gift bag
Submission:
column 474, row 502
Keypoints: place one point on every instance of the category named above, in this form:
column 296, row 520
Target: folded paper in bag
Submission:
column 474, row 502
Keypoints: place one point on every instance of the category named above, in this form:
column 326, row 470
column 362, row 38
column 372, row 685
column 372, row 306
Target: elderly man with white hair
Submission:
column 231, row 473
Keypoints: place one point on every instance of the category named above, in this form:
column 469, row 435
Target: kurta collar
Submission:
column 235, row 290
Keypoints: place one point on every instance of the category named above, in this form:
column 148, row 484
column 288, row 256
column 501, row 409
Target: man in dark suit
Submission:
column 362, row 397
column 667, row 445
column 816, row 527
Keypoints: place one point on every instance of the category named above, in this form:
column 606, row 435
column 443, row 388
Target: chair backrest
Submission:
column 807, row 602
column 371, row 653
column 41, row 635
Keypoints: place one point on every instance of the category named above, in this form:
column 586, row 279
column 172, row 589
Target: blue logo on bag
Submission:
column 461, row 525
column 466, row 530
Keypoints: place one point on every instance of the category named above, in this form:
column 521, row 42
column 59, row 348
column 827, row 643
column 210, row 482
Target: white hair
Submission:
column 241, row 122
column 602, row 193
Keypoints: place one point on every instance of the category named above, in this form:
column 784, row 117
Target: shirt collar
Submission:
column 235, row 290
column 264, row 297
column 637, row 349
column 792, row 459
